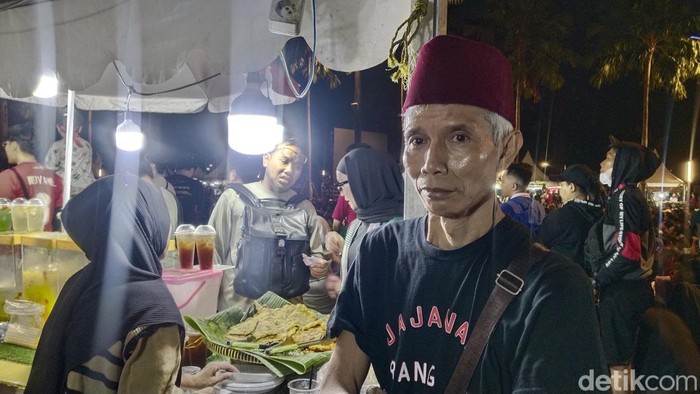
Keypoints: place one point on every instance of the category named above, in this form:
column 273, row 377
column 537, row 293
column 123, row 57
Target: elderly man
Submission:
column 414, row 296
column 283, row 167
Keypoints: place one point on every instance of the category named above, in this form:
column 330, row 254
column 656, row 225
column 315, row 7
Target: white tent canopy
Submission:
column 537, row 174
column 168, row 43
column 664, row 178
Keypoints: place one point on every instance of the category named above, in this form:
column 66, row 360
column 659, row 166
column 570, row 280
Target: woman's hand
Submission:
column 334, row 243
column 333, row 286
column 208, row 376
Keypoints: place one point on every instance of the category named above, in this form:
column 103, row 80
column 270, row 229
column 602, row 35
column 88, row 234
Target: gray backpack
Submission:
column 269, row 254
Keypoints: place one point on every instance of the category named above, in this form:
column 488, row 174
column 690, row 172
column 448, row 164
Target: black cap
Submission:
column 578, row 174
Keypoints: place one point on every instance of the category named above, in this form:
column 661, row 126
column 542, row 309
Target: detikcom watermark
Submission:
column 628, row 380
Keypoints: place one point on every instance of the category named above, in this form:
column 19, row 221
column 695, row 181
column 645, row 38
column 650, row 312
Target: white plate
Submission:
column 231, row 386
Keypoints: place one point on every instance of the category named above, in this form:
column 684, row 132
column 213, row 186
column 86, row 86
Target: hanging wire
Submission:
column 133, row 90
column 312, row 66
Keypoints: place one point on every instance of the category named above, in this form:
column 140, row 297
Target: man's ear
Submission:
column 266, row 159
column 511, row 146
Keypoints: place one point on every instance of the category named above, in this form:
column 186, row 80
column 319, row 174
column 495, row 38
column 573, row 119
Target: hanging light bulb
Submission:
column 128, row 136
column 253, row 128
column 47, row 87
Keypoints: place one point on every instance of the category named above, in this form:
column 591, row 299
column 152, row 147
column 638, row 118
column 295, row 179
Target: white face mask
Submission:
column 606, row 177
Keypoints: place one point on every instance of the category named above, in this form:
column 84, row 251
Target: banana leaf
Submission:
column 215, row 327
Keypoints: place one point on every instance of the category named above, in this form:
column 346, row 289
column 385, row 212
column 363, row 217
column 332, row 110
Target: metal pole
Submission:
column 69, row 147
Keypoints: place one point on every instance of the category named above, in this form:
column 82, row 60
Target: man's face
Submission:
column 283, row 167
column 62, row 130
column 609, row 161
column 11, row 149
column 509, row 185
column 566, row 191
column 451, row 157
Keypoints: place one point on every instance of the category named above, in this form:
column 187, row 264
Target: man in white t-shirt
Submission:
column 81, row 168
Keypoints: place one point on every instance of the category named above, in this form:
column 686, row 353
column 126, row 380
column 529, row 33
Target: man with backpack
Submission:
column 263, row 229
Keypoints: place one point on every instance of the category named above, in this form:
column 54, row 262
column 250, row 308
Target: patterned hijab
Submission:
column 122, row 224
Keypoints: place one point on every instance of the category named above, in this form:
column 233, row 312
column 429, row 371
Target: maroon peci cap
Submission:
column 455, row 70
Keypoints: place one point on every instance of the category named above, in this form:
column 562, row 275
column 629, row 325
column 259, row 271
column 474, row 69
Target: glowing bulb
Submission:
column 47, row 88
column 254, row 134
column 129, row 136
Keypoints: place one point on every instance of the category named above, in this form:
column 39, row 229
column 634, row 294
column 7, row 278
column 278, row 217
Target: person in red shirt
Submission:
column 343, row 214
column 28, row 178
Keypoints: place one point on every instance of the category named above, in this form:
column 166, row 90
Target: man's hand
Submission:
column 318, row 266
column 210, row 375
column 319, row 270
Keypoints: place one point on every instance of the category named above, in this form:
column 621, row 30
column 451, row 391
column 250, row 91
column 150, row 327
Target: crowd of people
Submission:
column 478, row 295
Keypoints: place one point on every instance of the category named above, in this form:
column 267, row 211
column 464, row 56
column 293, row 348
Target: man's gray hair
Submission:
column 500, row 126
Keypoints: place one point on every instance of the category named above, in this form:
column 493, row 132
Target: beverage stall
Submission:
column 34, row 267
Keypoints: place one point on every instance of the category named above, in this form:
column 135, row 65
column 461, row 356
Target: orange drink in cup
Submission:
column 184, row 237
column 204, row 237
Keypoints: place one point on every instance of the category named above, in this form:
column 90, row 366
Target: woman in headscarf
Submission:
column 115, row 326
column 371, row 181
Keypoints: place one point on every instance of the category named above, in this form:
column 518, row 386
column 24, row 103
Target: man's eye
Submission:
column 416, row 141
column 460, row 138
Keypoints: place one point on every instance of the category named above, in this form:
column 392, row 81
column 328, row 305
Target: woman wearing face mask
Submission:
column 115, row 326
column 371, row 181
column 620, row 251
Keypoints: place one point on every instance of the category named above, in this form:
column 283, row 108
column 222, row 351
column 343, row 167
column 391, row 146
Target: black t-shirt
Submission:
column 412, row 306
column 193, row 199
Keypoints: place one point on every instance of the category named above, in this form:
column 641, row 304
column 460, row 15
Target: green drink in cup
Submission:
column 5, row 215
column 19, row 215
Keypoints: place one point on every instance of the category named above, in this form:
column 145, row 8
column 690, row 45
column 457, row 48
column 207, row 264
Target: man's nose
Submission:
column 435, row 159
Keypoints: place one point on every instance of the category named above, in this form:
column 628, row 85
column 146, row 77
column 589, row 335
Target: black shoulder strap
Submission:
column 21, row 183
column 509, row 283
column 246, row 195
column 295, row 200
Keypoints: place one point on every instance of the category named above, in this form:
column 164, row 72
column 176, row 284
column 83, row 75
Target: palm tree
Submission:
column 532, row 34
column 650, row 37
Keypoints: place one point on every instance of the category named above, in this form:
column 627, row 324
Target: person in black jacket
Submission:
column 623, row 264
column 565, row 229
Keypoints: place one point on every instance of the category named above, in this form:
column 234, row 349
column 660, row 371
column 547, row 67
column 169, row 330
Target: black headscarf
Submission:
column 376, row 183
column 122, row 224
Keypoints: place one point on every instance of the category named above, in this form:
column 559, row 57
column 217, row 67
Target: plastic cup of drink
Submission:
column 36, row 214
column 304, row 386
column 19, row 215
column 5, row 215
column 184, row 237
column 204, row 237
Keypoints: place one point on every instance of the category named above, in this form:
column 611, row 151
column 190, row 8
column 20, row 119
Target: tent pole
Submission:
column 69, row 147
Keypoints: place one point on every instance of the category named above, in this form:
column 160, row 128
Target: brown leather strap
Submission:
column 509, row 284
column 21, row 183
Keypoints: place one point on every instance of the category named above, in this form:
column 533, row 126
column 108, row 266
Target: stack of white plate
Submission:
column 250, row 379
